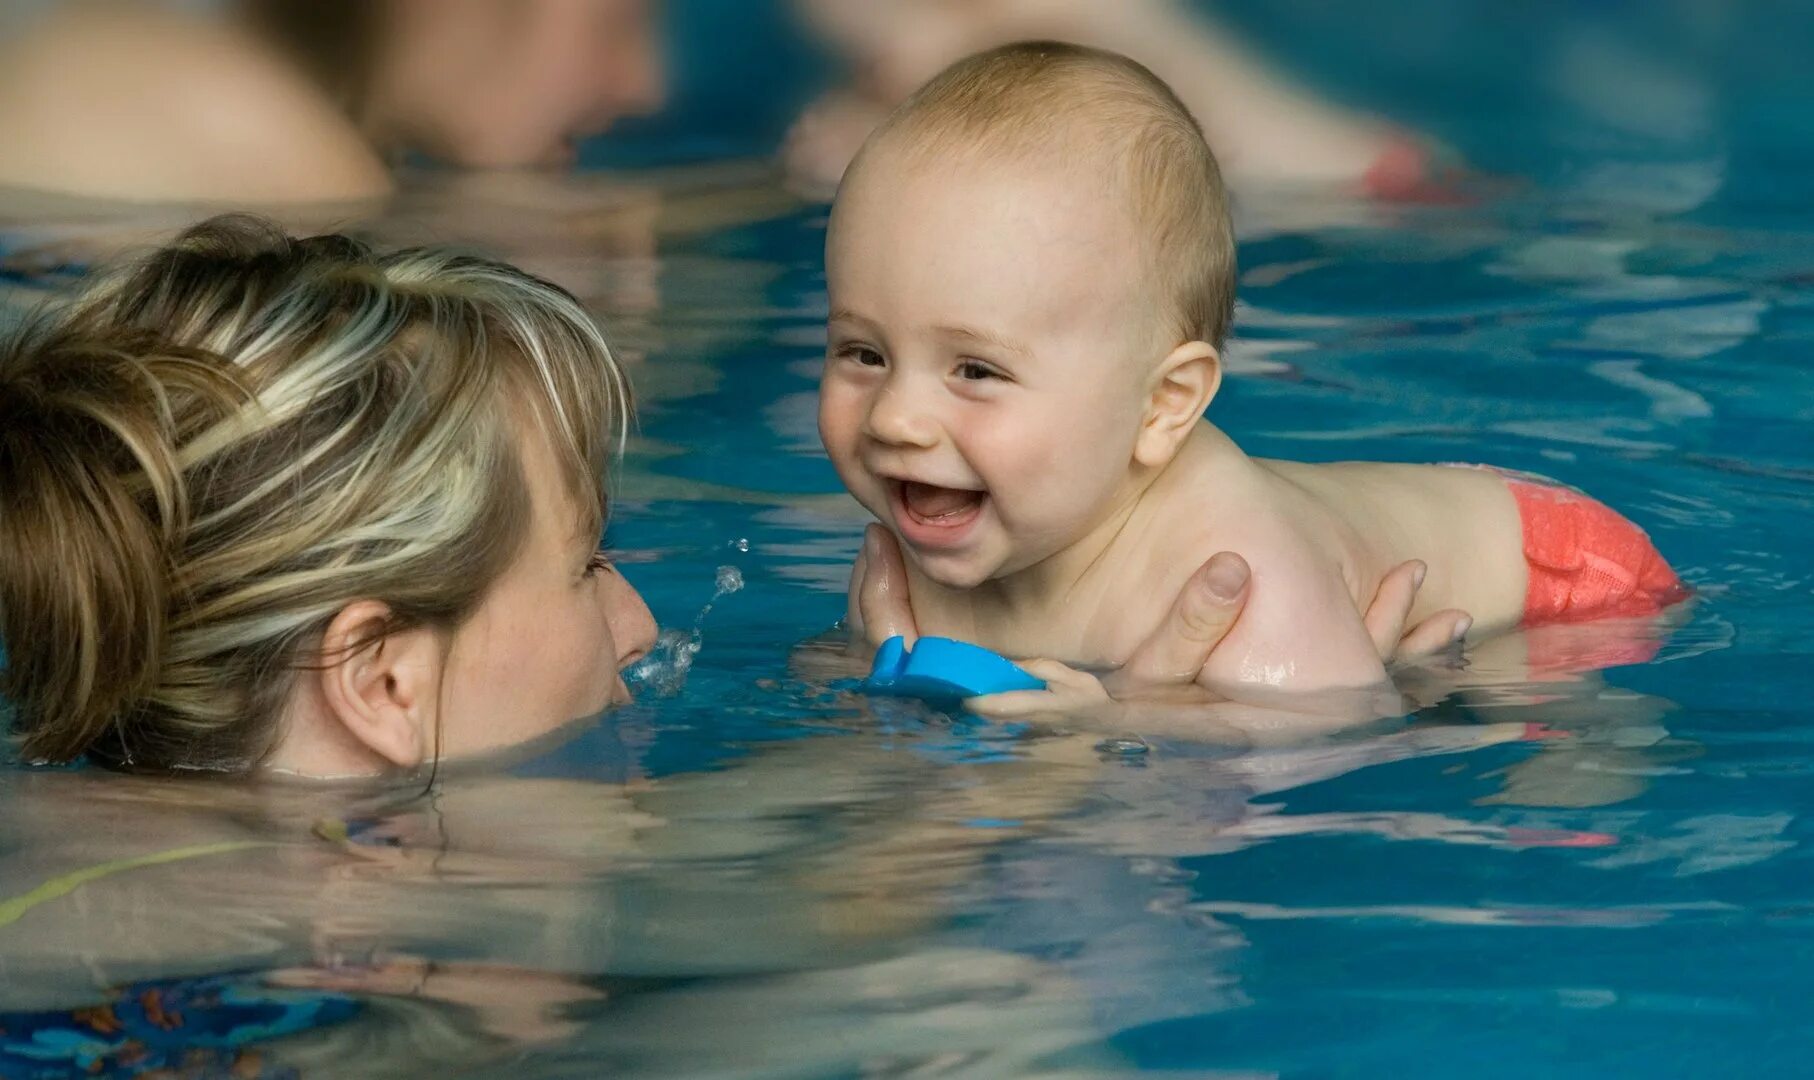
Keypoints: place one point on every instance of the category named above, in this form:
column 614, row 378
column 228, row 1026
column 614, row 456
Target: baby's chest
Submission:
column 1092, row 631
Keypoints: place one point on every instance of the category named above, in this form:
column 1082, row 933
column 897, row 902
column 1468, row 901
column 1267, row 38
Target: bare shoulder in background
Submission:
column 120, row 100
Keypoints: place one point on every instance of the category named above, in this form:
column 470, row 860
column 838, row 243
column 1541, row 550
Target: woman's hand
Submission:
column 1392, row 602
column 1165, row 667
column 878, row 606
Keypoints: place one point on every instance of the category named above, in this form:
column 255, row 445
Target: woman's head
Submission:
column 483, row 83
column 289, row 501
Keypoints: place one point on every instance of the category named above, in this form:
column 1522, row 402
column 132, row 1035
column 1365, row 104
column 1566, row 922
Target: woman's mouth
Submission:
column 930, row 516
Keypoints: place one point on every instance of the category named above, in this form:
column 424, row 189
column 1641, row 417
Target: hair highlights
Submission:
column 213, row 450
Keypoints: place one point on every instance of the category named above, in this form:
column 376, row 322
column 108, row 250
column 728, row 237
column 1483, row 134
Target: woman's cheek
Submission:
column 585, row 662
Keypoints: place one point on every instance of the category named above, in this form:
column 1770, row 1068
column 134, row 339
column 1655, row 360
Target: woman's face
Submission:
column 514, row 83
column 550, row 640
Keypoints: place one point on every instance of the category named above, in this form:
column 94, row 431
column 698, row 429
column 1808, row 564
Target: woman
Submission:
column 281, row 504
column 285, row 101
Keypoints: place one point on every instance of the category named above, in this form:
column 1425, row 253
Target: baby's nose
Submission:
column 896, row 418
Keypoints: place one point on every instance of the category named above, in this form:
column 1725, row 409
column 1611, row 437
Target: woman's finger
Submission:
column 883, row 607
column 1391, row 606
column 853, row 595
column 1434, row 634
column 1199, row 619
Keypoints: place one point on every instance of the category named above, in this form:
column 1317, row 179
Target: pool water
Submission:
column 748, row 873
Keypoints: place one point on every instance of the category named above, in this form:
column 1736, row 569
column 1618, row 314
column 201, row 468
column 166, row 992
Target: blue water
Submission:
column 795, row 884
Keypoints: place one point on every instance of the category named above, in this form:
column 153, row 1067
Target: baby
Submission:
column 1031, row 271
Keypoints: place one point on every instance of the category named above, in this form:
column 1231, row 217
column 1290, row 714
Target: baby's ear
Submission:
column 1183, row 386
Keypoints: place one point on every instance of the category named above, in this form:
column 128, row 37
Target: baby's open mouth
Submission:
column 931, row 503
column 932, row 516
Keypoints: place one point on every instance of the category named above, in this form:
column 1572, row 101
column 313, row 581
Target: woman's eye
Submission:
column 599, row 563
column 975, row 371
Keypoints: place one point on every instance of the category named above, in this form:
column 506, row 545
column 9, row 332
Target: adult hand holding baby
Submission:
column 1167, row 665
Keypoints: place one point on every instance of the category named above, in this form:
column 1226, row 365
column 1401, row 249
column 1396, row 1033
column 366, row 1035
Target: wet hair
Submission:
column 214, row 449
column 1084, row 106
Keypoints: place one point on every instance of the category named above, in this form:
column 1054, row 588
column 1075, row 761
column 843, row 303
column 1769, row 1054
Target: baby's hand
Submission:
column 1069, row 693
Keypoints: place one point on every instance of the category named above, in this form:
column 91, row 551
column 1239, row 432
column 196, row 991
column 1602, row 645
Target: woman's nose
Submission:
column 632, row 625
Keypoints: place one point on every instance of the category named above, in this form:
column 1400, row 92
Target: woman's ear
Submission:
column 383, row 689
column 1183, row 387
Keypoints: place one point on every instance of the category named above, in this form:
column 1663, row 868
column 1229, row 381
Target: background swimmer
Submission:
column 1269, row 131
column 310, row 101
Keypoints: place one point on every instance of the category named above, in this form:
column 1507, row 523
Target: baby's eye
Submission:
column 863, row 355
column 977, row 371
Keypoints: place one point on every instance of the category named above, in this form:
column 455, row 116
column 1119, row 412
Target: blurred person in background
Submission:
column 1265, row 130
column 304, row 101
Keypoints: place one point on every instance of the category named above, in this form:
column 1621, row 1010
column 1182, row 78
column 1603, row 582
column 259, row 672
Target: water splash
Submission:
column 663, row 672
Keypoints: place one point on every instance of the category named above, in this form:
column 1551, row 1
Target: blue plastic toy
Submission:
column 940, row 669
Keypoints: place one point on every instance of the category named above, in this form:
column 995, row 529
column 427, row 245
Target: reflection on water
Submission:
column 823, row 904
column 751, row 873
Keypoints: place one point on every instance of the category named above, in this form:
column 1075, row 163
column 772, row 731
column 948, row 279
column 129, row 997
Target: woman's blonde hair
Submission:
column 212, row 451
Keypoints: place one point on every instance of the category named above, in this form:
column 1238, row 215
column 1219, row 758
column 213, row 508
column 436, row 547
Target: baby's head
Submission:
column 292, row 501
column 1031, row 269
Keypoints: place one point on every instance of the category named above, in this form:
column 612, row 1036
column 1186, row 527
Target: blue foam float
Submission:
column 940, row 669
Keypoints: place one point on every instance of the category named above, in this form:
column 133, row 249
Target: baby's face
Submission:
column 990, row 349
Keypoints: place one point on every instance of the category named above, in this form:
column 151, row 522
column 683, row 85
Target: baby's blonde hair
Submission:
column 1087, row 105
column 213, row 450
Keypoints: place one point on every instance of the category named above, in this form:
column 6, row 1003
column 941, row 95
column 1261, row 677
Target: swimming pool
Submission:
column 749, row 874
